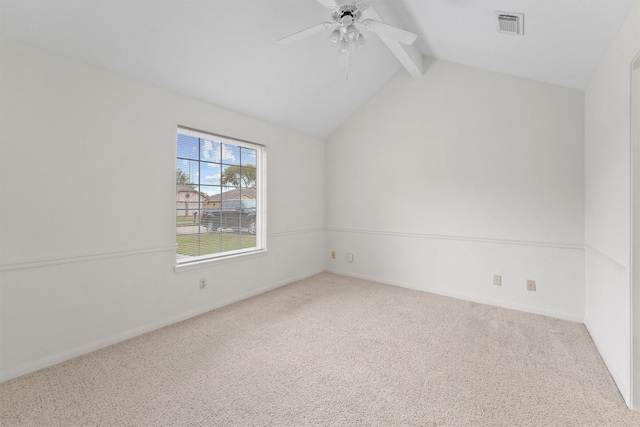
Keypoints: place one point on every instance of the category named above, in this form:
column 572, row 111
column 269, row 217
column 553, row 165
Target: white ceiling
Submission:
column 226, row 52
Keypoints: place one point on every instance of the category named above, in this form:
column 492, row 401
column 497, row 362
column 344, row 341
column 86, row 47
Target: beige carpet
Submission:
column 333, row 351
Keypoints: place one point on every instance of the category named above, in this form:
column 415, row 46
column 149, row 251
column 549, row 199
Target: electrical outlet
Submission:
column 531, row 285
column 350, row 257
column 333, row 255
column 497, row 280
column 203, row 284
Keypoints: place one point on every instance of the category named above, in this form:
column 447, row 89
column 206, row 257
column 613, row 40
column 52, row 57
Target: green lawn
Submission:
column 211, row 243
column 184, row 220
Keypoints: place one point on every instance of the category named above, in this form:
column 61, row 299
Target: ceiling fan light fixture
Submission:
column 360, row 42
column 344, row 47
column 351, row 34
column 335, row 37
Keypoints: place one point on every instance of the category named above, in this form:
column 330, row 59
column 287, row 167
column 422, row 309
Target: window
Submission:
column 218, row 196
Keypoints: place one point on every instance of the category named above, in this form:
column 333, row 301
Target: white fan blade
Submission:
column 386, row 30
column 306, row 33
column 329, row 4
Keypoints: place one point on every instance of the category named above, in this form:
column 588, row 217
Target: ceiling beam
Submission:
column 409, row 56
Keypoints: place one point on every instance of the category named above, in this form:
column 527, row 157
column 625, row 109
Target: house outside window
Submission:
column 219, row 196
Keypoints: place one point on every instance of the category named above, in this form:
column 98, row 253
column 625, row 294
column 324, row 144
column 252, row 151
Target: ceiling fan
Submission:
column 347, row 26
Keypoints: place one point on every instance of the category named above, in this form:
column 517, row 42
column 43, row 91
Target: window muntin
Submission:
column 218, row 196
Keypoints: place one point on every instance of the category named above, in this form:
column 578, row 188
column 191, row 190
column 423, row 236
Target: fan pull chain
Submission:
column 348, row 63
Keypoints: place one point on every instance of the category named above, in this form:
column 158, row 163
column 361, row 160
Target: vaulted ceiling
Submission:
column 226, row 52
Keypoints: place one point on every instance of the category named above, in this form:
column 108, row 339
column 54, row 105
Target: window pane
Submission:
column 210, row 173
column 189, row 244
column 229, row 192
column 213, row 197
column 187, row 172
column 231, row 242
column 182, row 218
column 236, row 176
column 187, row 147
column 187, row 198
column 211, row 191
column 230, row 154
column 248, row 176
column 210, row 151
column 210, row 244
column 247, row 156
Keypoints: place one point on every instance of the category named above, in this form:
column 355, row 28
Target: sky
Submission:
column 204, row 161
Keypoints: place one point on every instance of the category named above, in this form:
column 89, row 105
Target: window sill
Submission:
column 210, row 262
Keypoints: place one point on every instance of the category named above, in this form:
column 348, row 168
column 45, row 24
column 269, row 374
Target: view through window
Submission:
column 217, row 196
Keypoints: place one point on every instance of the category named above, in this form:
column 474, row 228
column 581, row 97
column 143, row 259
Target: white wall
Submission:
column 87, row 237
column 635, row 260
column 442, row 181
column 607, row 202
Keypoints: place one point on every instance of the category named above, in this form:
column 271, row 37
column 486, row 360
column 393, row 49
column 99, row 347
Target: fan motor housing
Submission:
column 347, row 10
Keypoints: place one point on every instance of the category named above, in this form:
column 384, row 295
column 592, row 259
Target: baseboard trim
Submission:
column 466, row 297
column 623, row 387
column 569, row 246
column 48, row 361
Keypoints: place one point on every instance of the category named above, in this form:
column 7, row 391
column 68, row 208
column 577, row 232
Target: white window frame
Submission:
column 261, row 205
